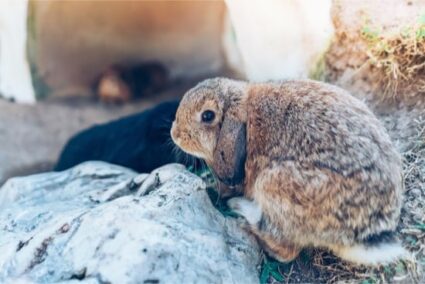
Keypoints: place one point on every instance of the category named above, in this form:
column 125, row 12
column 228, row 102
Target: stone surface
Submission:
column 106, row 224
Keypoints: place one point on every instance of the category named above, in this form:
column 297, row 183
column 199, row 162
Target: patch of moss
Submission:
column 318, row 70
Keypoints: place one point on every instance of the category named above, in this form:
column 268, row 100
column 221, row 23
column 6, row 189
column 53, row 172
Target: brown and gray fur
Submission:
column 317, row 164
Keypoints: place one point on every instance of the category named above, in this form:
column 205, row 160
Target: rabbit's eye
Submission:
column 208, row 116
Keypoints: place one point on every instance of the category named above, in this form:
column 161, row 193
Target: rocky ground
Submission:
column 100, row 223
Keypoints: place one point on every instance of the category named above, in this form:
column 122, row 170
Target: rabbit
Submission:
column 140, row 141
column 314, row 166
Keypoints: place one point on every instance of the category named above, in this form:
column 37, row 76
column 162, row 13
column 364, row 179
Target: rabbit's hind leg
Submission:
column 280, row 250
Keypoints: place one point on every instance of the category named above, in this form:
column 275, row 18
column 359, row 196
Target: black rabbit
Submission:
column 141, row 142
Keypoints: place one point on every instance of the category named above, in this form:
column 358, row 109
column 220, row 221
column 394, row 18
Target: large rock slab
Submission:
column 101, row 223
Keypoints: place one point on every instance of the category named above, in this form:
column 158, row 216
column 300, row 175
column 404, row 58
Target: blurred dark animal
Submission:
column 141, row 142
column 120, row 84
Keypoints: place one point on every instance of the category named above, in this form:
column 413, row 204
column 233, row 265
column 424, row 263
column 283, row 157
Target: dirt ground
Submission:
column 32, row 136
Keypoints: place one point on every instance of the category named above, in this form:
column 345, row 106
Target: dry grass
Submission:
column 412, row 224
column 399, row 60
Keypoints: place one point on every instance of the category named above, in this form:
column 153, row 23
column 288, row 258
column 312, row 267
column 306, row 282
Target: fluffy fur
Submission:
column 318, row 163
column 373, row 255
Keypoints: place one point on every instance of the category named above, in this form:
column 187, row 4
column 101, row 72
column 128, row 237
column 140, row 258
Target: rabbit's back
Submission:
column 324, row 154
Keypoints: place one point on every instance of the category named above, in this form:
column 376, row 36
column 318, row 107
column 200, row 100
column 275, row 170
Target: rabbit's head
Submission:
column 210, row 124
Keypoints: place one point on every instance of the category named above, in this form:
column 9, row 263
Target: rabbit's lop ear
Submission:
column 230, row 152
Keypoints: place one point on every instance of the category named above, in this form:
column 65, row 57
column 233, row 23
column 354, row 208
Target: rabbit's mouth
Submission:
column 180, row 143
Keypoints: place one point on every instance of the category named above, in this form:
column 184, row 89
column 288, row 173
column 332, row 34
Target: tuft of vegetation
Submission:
column 271, row 269
column 398, row 58
column 207, row 176
column 318, row 72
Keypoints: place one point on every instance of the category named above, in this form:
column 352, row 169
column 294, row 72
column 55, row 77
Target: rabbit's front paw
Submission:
column 246, row 208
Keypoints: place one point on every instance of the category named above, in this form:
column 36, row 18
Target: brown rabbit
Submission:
column 315, row 165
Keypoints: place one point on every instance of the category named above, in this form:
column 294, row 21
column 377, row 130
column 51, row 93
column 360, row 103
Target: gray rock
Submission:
column 107, row 224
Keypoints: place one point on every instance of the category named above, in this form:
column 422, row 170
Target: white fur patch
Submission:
column 246, row 208
column 381, row 254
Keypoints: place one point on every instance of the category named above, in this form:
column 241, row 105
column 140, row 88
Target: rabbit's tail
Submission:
column 377, row 249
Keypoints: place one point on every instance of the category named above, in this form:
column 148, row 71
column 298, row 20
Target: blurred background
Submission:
column 66, row 65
